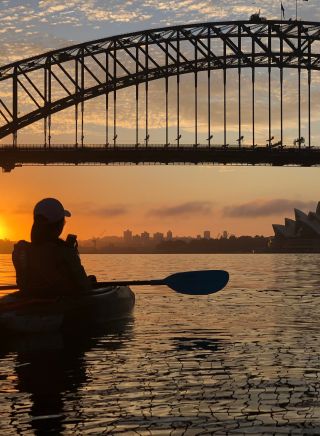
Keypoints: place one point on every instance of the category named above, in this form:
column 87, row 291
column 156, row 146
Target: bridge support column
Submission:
column 15, row 107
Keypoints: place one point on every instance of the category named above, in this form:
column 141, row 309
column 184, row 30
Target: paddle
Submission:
column 190, row 282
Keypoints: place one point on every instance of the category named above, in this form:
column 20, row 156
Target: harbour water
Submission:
column 242, row 361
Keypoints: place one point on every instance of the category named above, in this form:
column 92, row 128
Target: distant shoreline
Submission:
column 190, row 252
column 201, row 252
column 231, row 245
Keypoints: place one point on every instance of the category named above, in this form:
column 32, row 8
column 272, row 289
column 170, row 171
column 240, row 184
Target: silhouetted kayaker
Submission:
column 49, row 265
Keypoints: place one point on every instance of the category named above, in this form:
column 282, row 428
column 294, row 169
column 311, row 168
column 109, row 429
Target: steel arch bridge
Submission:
column 34, row 89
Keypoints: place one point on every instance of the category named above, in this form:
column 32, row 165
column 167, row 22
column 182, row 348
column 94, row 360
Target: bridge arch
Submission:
column 68, row 77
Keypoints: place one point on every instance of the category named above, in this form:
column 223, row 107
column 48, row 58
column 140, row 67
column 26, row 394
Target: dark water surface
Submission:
column 242, row 361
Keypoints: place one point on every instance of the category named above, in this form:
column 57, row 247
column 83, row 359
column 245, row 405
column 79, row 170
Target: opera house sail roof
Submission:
column 303, row 231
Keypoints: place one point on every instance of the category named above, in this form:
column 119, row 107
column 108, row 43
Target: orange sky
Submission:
column 185, row 199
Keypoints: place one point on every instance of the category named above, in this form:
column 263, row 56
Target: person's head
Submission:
column 49, row 219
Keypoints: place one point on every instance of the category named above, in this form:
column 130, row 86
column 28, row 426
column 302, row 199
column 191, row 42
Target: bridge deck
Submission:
column 11, row 157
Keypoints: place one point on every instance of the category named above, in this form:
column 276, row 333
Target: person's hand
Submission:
column 93, row 280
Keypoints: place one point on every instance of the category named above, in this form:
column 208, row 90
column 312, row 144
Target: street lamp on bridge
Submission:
column 239, row 140
column 299, row 141
column 269, row 141
column 178, row 140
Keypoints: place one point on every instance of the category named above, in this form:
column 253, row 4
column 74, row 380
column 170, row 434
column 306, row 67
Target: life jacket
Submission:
column 48, row 269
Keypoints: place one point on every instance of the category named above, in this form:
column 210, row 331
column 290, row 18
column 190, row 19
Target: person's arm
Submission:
column 20, row 263
column 74, row 271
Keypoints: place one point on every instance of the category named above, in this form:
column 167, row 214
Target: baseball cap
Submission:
column 51, row 209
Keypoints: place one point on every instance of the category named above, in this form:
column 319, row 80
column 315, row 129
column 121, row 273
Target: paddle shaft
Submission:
column 132, row 283
column 8, row 287
column 102, row 284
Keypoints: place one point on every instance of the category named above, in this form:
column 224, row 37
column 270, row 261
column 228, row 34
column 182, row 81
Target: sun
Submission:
column 3, row 230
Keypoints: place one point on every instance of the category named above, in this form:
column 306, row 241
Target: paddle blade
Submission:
column 198, row 282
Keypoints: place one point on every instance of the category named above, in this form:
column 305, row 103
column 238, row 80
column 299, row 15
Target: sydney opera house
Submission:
column 299, row 235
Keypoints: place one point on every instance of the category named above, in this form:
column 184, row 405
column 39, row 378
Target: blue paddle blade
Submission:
column 198, row 282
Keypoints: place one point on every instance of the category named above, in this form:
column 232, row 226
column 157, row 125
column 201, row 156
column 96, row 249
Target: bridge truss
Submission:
column 34, row 90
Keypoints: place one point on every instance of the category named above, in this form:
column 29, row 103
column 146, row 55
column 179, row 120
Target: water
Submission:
column 242, row 361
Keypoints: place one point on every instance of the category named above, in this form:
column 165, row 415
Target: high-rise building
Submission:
column 169, row 235
column 145, row 236
column 206, row 234
column 158, row 237
column 127, row 236
column 225, row 234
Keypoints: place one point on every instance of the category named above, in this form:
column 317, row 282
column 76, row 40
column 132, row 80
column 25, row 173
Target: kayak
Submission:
column 27, row 315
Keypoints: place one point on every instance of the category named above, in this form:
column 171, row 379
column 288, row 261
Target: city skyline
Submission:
column 129, row 236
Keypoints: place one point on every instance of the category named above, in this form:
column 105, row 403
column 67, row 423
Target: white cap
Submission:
column 51, row 209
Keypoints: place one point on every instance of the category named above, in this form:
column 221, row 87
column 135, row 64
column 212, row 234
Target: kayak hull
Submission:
column 100, row 305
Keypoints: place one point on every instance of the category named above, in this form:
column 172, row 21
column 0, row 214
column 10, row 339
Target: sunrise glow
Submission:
column 184, row 199
column 3, row 230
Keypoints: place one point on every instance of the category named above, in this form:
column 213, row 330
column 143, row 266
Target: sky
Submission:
column 185, row 199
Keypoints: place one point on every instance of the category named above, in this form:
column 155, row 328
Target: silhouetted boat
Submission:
column 21, row 314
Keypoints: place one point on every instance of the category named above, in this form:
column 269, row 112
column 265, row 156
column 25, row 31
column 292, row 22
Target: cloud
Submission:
column 260, row 207
column 107, row 212
column 93, row 209
column 79, row 208
column 53, row 6
column 183, row 209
